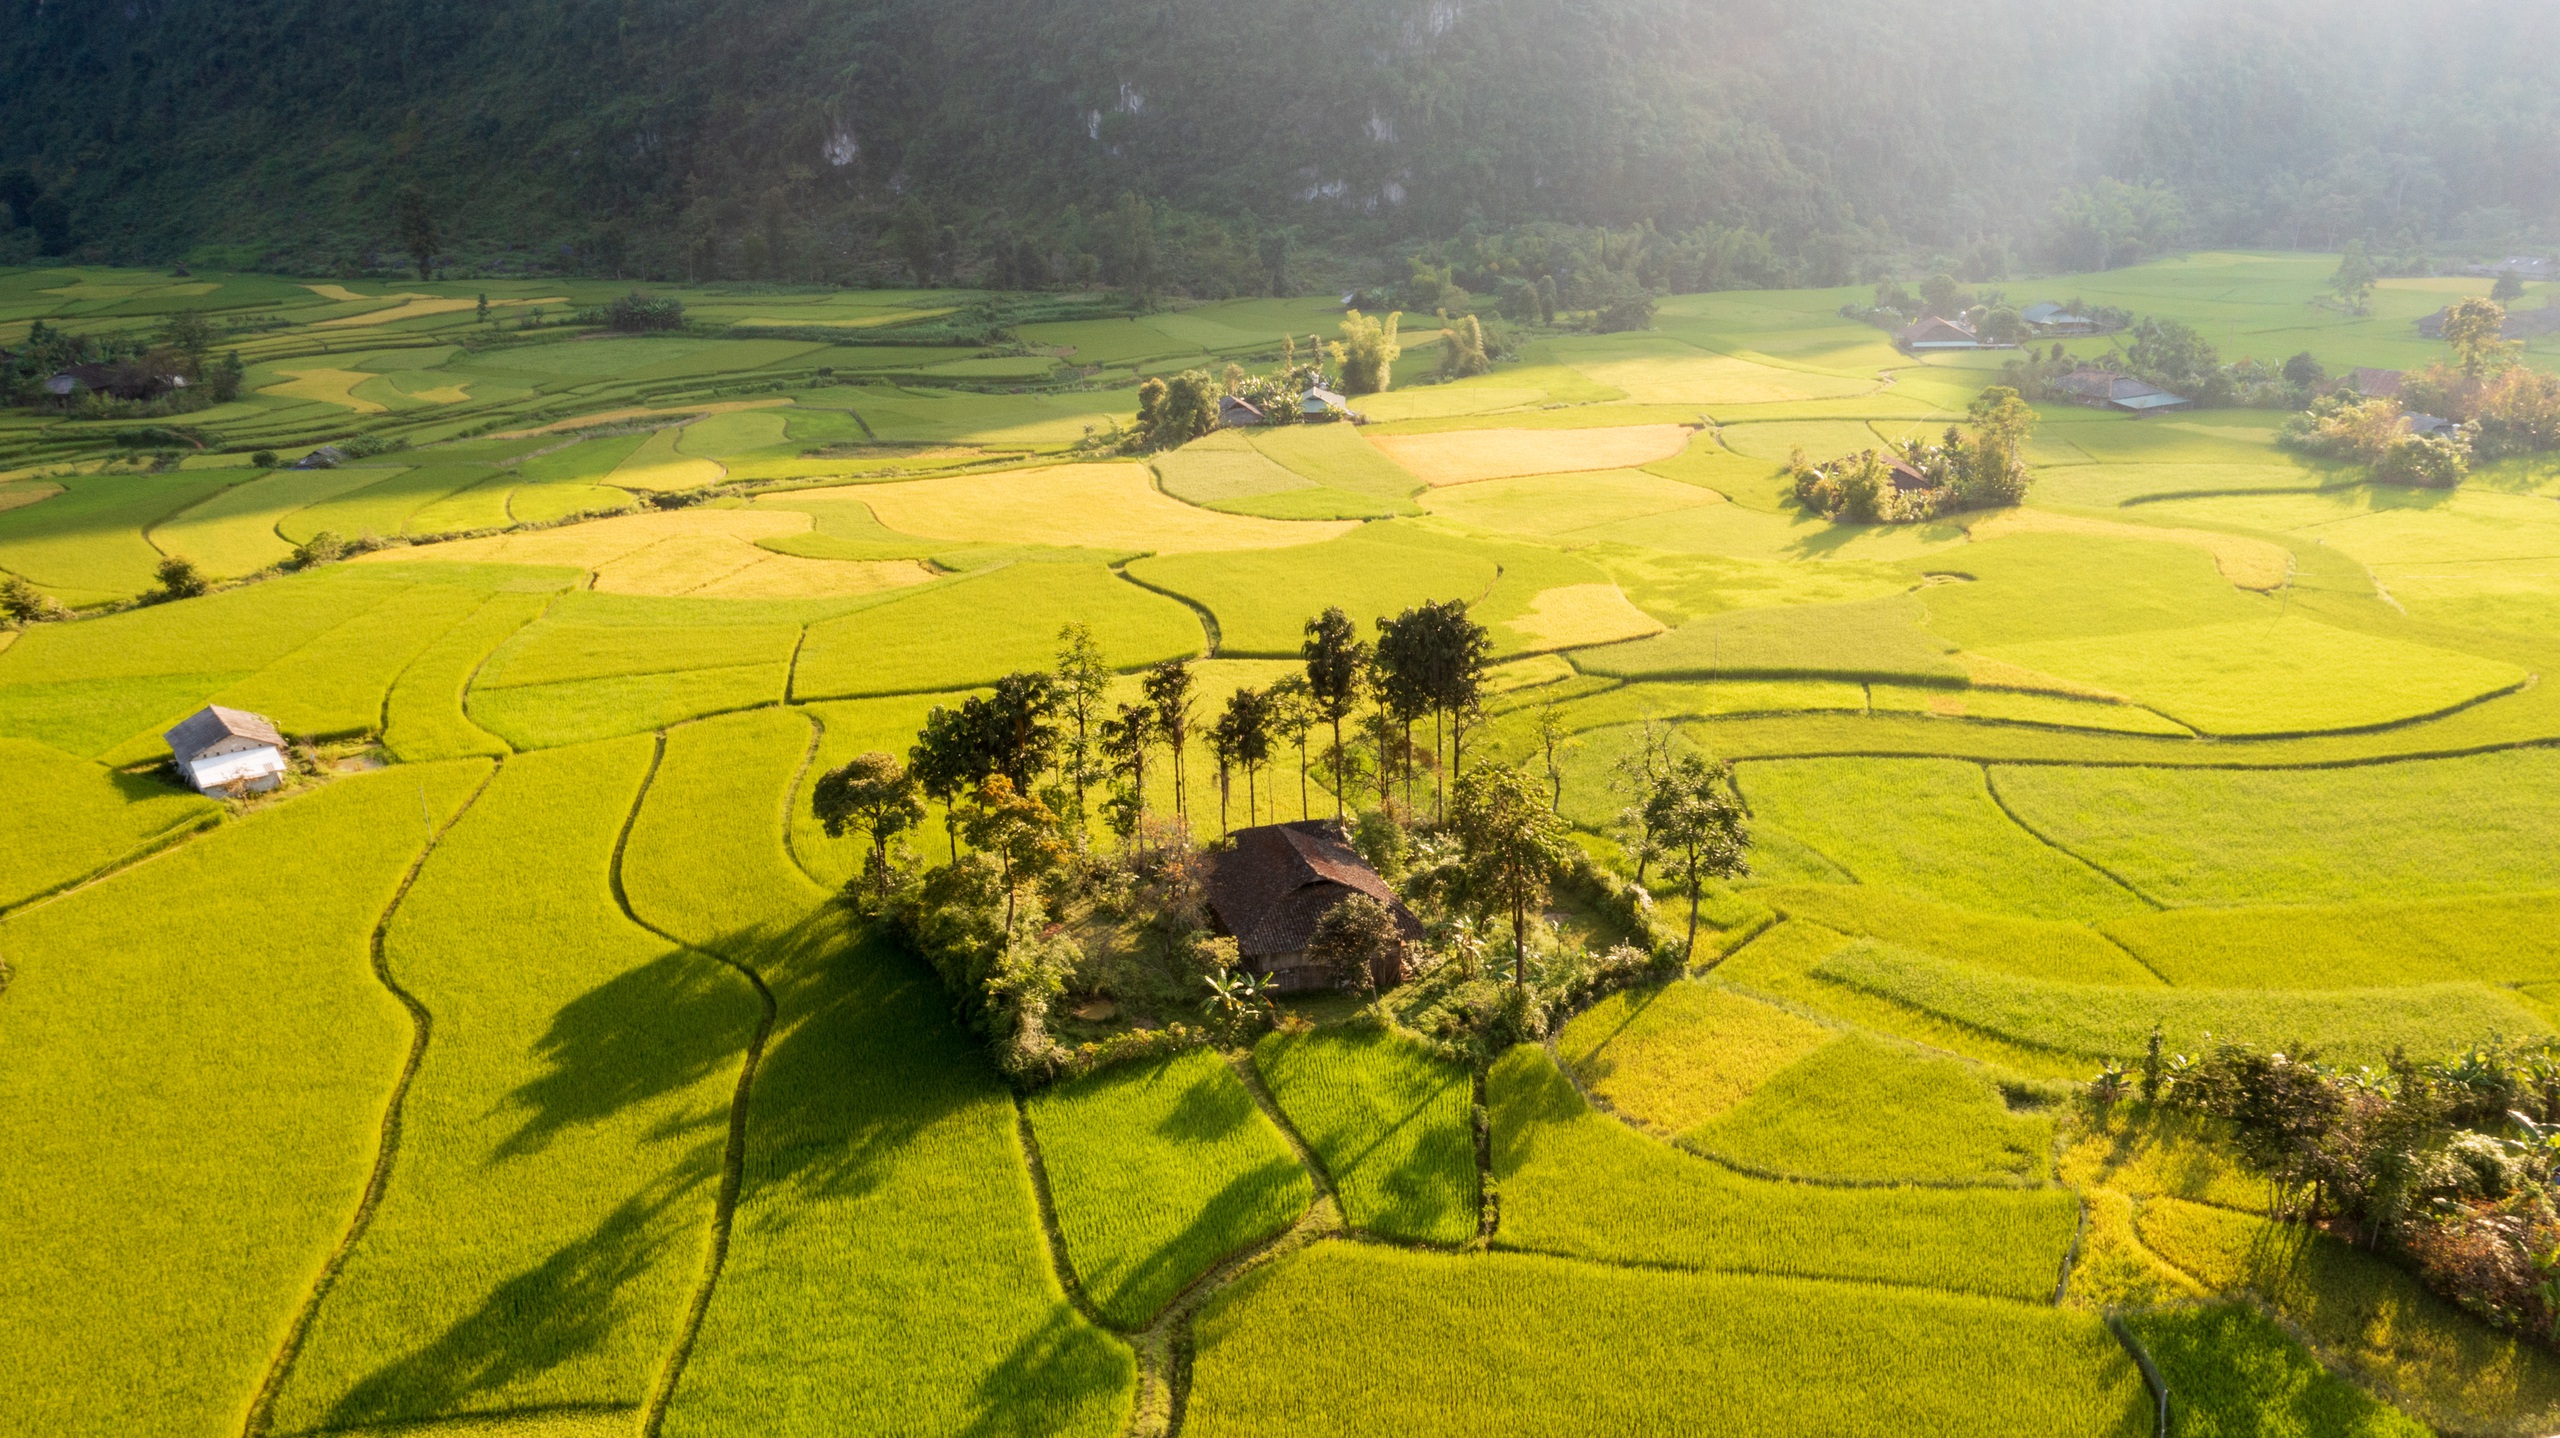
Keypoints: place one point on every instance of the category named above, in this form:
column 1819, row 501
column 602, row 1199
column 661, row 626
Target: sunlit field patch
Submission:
column 1460, row 456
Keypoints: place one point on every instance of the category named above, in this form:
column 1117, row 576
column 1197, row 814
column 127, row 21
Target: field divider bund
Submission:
column 261, row 1414
column 2151, row 1378
column 733, row 1155
column 1991, row 787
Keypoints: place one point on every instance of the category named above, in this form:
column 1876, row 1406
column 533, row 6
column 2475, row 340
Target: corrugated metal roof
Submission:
column 213, row 724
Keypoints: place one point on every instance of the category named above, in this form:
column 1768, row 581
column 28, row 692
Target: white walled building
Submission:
column 228, row 750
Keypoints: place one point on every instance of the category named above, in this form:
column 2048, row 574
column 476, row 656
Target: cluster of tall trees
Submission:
column 1980, row 465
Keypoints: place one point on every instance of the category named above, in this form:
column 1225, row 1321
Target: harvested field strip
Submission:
column 1159, row 1169
column 73, row 818
column 1562, row 1348
column 1390, row 1123
column 1097, row 506
column 1578, row 1183
column 560, row 1146
column 2094, row 1021
column 424, row 715
column 137, row 1005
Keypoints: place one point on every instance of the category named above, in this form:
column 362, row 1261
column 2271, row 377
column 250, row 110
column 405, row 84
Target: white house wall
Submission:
column 251, row 766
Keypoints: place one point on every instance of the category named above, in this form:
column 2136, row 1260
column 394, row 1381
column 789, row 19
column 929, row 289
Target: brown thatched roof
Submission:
column 1277, row 880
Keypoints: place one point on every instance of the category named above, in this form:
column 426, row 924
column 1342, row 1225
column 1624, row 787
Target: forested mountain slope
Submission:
column 744, row 138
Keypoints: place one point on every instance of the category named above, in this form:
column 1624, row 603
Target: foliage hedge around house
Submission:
column 1556, row 1347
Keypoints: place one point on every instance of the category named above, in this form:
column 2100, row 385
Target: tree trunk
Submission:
column 1302, row 778
column 1519, row 946
column 1338, row 757
column 1439, row 776
column 1689, row 949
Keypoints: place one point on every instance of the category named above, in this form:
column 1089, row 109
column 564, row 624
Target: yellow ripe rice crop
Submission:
column 2258, row 564
column 1461, row 456
column 658, row 465
column 1098, row 506
column 1572, row 615
column 328, row 386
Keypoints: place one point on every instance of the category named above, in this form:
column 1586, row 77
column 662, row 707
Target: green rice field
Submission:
column 523, row 1065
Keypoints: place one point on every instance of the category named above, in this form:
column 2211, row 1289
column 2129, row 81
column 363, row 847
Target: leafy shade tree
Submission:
column 1168, row 693
column 1553, row 739
column 1697, row 825
column 1125, row 738
column 2354, row 280
column 1337, row 662
column 23, row 603
column 2473, row 327
column 223, row 377
column 1509, row 843
column 1293, row 717
column 179, row 579
column 1242, row 739
column 1991, row 466
column 1638, row 773
column 916, row 239
column 873, row 793
column 1012, row 729
column 1019, row 831
column 2112, row 223
column 1174, row 412
column 1083, row 679
column 1352, row 939
column 190, row 334
column 1401, row 681
column 1546, row 299
column 2304, row 371
column 2003, row 325
column 945, row 762
column 1365, row 357
column 2508, row 289
column 1462, row 352
column 413, row 218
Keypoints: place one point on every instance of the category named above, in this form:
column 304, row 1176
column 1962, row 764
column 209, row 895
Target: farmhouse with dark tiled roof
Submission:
column 228, row 751
column 1268, row 889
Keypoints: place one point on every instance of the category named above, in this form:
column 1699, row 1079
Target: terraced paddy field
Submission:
column 520, row 1068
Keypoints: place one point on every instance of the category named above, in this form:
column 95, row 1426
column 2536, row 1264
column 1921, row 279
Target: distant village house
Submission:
column 2106, row 389
column 2048, row 318
column 2376, row 383
column 1322, row 403
column 1274, row 883
column 1936, row 333
column 228, row 751
column 1236, row 413
column 120, row 381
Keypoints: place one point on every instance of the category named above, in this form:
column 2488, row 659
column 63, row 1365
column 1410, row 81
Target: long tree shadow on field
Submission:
column 567, row 1305
column 647, row 1032
column 1222, row 1226
column 1063, row 1367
